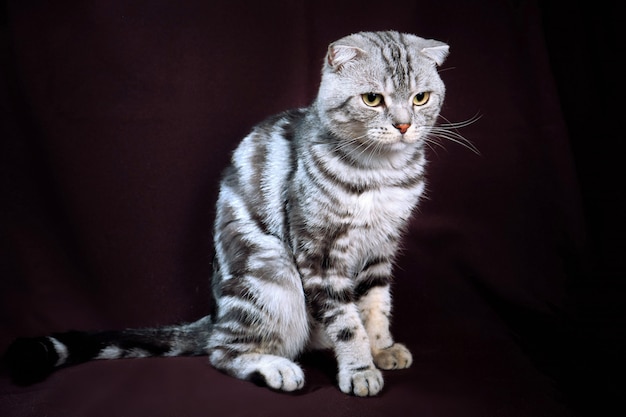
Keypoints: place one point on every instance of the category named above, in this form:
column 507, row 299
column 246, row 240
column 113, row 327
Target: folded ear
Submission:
column 340, row 55
column 435, row 50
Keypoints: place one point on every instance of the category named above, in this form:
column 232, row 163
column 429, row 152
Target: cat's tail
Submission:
column 31, row 360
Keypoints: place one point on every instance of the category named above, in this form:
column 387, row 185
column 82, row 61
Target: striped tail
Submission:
column 31, row 360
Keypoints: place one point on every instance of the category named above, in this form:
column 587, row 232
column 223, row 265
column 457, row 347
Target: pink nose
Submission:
column 402, row 127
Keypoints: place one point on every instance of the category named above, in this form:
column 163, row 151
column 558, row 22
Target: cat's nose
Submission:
column 402, row 127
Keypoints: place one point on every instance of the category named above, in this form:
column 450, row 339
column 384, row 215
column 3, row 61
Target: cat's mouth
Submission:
column 409, row 139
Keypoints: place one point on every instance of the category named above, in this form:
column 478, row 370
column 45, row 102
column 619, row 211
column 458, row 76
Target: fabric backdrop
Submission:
column 118, row 117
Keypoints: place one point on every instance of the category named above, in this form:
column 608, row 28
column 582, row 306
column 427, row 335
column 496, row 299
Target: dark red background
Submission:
column 118, row 117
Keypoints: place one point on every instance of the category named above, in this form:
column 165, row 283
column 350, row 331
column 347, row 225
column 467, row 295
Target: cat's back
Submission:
column 261, row 168
column 271, row 143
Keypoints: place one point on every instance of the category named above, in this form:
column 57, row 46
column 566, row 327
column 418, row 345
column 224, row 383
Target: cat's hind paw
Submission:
column 278, row 373
column 397, row 356
column 362, row 383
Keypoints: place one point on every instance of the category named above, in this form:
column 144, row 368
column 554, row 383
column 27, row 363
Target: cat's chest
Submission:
column 382, row 209
column 374, row 222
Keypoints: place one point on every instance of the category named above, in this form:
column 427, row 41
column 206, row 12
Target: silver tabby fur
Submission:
column 309, row 218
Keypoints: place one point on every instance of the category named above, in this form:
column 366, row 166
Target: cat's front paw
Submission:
column 279, row 373
column 397, row 356
column 361, row 383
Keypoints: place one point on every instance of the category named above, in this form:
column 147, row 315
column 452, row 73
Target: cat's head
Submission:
column 381, row 90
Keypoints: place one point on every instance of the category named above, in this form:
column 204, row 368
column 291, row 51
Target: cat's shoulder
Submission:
column 286, row 121
column 276, row 135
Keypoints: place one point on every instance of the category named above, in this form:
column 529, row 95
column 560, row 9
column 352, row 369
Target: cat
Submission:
column 309, row 218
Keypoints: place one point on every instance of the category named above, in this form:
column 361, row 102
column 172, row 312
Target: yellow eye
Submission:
column 421, row 98
column 372, row 99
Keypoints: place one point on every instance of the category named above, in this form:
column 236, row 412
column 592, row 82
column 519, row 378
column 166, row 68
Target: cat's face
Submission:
column 380, row 92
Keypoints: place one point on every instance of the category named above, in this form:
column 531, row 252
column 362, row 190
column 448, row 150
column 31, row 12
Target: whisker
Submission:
column 456, row 138
column 427, row 142
column 368, row 146
column 448, row 131
column 439, row 71
column 460, row 124
column 350, row 143
column 350, row 146
column 431, row 143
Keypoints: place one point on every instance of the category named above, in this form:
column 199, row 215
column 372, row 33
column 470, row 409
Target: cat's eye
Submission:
column 372, row 99
column 421, row 98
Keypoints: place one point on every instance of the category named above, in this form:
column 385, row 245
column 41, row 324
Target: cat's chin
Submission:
column 394, row 147
column 388, row 154
column 401, row 145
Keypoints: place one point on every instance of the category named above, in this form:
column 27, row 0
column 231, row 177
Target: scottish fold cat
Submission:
column 310, row 215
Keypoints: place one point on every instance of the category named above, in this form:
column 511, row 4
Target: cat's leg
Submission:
column 375, row 310
column 261, row 321
column 330, row 299
column 257, row 336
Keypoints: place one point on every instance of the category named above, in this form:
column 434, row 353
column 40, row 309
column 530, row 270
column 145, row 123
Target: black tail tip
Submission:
column 30, row 360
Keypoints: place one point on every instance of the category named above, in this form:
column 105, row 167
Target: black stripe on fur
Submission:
column 31, row 360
